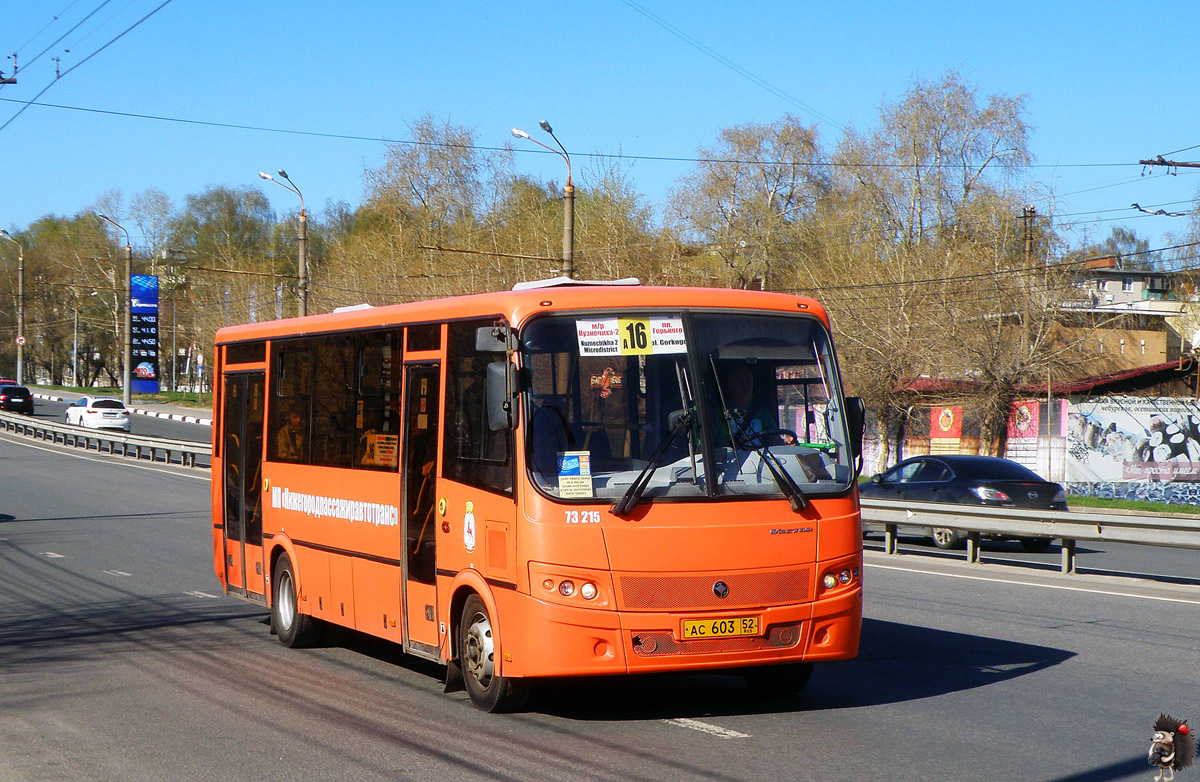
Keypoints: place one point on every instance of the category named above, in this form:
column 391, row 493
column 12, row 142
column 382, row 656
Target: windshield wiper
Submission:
column 737, row 438
column 679, row 420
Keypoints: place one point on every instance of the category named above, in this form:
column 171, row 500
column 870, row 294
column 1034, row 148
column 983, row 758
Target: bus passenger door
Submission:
column 421, row 428
column 243, row 447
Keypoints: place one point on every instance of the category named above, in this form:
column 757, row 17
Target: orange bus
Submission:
column 563, row 479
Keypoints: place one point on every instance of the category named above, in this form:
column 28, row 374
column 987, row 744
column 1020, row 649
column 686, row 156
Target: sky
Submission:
column 184, row 95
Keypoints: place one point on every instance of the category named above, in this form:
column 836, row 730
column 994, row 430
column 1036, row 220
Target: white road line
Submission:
column 1015, row 582
column 197, row 593
column 52, row 555
column 117, row 573
column 704, row 727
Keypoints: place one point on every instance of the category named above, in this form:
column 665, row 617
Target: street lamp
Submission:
column 568, row 259
column 302, row 242
column 20, row 306
column 128, row 304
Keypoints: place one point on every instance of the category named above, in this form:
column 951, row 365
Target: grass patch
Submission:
column 1075, row 501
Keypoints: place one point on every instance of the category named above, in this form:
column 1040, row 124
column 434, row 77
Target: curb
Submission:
column 191, row 419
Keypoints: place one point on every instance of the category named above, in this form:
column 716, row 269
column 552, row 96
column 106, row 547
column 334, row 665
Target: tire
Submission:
column 1035, row 545
column 947, row 538
column 476, row 653
column 295, row 630
column 769, row 681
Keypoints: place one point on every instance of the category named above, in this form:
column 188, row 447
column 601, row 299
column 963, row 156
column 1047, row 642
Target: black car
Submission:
column 16, row 398
column 967, row 480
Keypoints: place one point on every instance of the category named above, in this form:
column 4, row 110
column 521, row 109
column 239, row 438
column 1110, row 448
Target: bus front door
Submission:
column 243, row 450
column 420, row 499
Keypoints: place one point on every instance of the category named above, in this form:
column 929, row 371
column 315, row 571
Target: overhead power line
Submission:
column 58, row 76
column 487, row 148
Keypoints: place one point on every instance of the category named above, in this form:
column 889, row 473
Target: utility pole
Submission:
column 1027, row 216
column 10, row 79
column 1159, row 160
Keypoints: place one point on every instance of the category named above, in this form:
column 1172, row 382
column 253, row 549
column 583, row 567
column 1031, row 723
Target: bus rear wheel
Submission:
column 294, row 629
column 477, row 656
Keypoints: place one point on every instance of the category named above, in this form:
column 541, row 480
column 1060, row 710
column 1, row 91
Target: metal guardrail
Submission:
column 155, row 449
column 1070, row 526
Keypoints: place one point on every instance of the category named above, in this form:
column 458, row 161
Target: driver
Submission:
column 749, row 414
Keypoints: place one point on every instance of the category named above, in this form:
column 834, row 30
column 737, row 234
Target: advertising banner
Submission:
column 1134, row 439
column 945, row 429
column 143, row 309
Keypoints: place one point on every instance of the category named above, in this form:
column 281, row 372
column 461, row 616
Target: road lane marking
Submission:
column 704, row 727
column 117, row 573
column 1015, row 582
column 198, row 593
column 52, row 555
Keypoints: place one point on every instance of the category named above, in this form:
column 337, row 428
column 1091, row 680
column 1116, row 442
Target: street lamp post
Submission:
column 20, row 306
column 568, row 259
column 127, row 303
column 302, row 241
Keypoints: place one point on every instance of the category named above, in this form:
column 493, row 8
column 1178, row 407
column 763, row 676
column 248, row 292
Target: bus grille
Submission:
column 658, row 643
column 695, row 592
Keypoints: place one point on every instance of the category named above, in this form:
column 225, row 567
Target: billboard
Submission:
column 143, row 310
column 1123, row 439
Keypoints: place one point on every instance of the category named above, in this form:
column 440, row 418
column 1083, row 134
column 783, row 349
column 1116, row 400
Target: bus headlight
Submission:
column 830, row 581
column 566, row 588
column 588, row 591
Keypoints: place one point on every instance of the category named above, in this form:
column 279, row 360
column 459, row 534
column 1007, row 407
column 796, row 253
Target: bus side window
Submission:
column 377, row 415
column 473, row 454
column 289, row 415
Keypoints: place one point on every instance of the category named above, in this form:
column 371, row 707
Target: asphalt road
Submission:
column 121, row 662
column 138, row 424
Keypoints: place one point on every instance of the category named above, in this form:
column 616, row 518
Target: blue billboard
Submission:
column 143, row 310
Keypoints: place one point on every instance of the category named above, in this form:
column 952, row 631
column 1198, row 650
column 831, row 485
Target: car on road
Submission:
column 98, row 412
column 967, row 480
column 16, row 398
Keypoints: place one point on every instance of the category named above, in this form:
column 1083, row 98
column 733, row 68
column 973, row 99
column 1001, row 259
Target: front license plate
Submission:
column 729, row 627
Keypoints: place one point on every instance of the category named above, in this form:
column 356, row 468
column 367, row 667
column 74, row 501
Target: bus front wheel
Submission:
column 477, row 657
column 294, row 629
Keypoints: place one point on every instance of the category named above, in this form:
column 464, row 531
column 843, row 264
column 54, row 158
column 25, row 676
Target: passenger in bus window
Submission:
column 289, row 441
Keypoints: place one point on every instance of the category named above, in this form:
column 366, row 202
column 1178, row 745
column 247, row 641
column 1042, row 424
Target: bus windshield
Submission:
column 684, row 405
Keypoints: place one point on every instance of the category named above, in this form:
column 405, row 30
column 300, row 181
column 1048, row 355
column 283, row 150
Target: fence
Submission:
column 1070, row 526
column 182, row 452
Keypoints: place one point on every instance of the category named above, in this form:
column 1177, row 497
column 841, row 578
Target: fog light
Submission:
column 566, row 588
column 549, row 584
column 844, row 577
column 830, row 581
column 588, row 591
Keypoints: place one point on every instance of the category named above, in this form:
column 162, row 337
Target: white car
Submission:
column 98, row 412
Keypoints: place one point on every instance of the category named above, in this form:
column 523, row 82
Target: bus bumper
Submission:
column 578, row 641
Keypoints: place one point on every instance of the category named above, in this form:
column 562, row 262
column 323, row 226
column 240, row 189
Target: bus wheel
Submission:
column 477, row 656
column 293, row 628
column 776, row 680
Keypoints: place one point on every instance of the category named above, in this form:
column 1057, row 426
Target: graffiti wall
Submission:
column 1135, row 447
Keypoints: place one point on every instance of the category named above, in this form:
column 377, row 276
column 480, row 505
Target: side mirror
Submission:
column 856, row 420
column 493, row 339
column 877, row 478
column 501, row 389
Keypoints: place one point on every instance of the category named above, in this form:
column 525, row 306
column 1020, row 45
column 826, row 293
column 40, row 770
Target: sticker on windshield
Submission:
column 630, row 336
column 575, row 474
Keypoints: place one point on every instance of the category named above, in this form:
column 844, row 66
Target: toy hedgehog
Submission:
column 1173, row 746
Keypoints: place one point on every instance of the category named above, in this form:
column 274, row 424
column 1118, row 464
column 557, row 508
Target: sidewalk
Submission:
column 152, row 409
